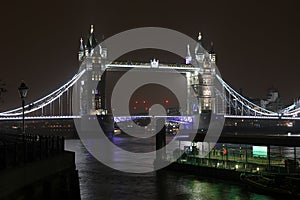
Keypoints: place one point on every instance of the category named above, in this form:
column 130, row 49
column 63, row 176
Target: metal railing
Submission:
column 252, row 166
column 19, row 149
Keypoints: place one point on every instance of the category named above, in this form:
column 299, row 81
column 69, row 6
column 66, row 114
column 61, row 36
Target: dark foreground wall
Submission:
column 53, row 178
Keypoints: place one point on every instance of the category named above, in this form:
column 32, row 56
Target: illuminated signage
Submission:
column 260, row 151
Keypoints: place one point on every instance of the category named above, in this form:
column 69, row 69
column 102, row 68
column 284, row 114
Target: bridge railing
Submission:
column 136, row 64
column 19, row 149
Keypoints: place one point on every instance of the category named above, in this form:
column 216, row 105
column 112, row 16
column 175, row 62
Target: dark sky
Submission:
column 257, row 42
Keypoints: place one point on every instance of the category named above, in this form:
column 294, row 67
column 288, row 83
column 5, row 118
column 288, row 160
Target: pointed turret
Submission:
column 104, row 48
column 81, row 52
column 199, row 50
column 212, row 53
column 91, row 42
column 188, row 58
column 199, row 36
column 81, row 47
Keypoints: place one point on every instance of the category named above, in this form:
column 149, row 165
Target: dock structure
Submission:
column 241, row 153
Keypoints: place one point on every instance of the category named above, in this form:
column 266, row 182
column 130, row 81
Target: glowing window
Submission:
column 206, row 92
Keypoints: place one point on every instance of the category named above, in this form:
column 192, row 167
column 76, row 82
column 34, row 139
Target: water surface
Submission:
column 98, row 181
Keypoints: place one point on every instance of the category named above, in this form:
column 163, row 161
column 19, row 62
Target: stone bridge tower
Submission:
column 203, row 78
column 92, row 57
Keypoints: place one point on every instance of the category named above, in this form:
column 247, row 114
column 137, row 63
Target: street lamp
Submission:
column 23, row 89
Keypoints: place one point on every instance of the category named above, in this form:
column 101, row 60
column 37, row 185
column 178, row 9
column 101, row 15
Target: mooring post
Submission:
column 269, row 157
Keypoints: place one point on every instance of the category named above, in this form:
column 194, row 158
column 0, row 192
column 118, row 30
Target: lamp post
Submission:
column 23, row 89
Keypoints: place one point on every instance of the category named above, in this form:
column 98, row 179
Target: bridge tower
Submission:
column 93, row 57
column 203, row 78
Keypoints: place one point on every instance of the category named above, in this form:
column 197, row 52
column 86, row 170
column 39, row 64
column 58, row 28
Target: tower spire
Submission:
column 199, row 50
column 92, row 29
column 212, row 53
column 81, row 48
column 81, row 52
column 188, row 50
column 199, row 36
column 91, row 42
column 188, row 58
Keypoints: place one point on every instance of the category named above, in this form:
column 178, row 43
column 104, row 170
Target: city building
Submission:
column 273, row 101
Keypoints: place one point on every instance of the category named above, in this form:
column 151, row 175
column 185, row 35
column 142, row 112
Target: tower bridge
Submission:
column 199, row 71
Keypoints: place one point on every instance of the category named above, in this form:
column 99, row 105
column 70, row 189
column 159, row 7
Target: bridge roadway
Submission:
column 118, row 118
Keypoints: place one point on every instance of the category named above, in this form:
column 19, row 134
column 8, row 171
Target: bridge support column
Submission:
column 161, row 155
column 188, row 84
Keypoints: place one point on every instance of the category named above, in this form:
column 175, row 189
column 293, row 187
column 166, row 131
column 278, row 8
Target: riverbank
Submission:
column 37, row 167
column 54, row 178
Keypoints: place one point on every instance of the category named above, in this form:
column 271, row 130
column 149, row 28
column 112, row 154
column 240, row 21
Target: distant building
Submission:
column 256, row 101
column 273, row 101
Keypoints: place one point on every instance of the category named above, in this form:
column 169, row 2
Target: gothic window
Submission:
column 206, row 92
column 206, row 64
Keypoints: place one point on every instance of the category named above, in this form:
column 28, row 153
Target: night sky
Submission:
column 257, row 42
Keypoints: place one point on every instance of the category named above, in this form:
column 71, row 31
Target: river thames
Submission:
column 98, row 181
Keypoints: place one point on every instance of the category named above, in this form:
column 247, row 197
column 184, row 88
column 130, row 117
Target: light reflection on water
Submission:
column 100, row 182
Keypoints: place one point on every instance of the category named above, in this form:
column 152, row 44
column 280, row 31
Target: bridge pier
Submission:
column 161, row 154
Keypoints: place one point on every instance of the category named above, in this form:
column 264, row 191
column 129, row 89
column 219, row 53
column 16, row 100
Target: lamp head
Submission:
column 23, row 89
